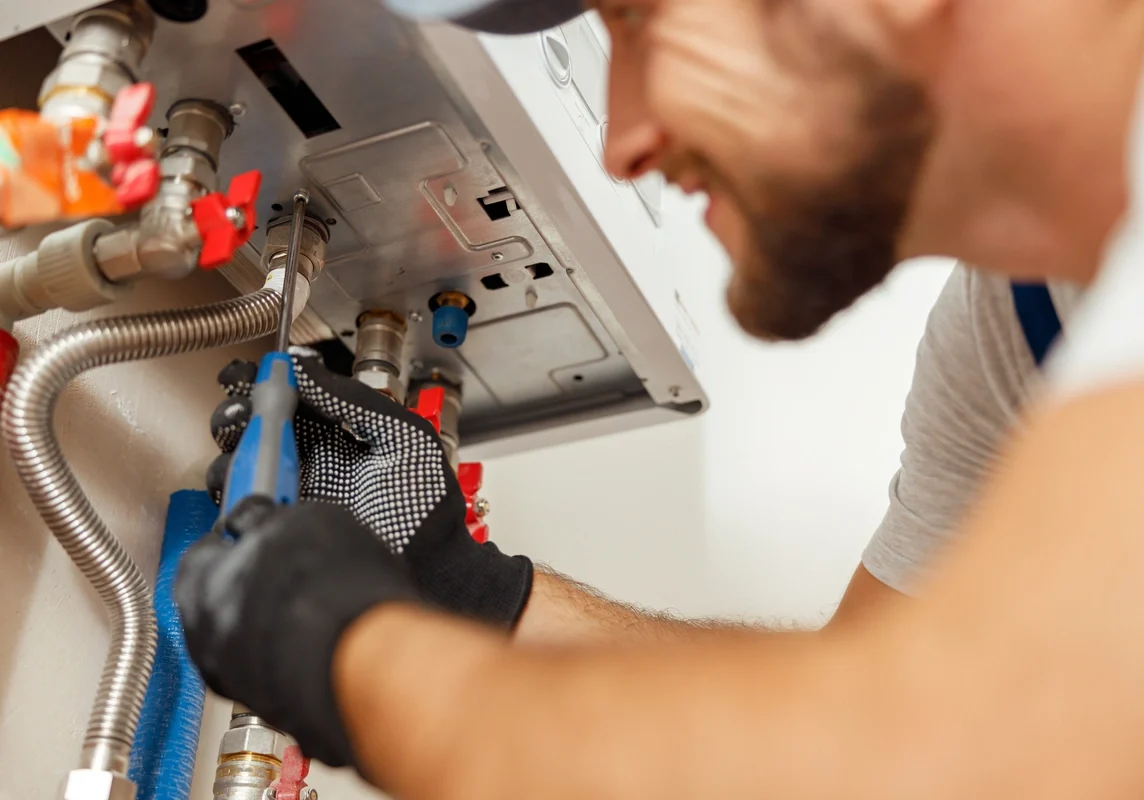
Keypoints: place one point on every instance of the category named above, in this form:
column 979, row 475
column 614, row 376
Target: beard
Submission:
column 819, row 247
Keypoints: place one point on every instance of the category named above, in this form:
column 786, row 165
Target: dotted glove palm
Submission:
column 361, row 451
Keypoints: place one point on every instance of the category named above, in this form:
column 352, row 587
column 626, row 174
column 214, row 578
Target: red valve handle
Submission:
column 471, row 477
column 135, row 183
column 129, row 113
column 292, row 779
column 134, row 172
column 222, row 235
column 430, row 403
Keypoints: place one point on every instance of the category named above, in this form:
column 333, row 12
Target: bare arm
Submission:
column 564, row 611
column 1016, row 674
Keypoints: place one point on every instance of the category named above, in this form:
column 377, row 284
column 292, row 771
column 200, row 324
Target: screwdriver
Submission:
column 266, row 460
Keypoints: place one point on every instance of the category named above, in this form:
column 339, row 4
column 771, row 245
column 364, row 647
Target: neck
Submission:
column 1028, row 173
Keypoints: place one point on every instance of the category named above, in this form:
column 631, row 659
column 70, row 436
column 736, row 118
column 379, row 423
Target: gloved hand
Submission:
column 362, row 451
column 263, row 615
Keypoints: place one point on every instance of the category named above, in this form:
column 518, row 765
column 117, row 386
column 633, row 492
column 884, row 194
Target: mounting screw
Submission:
column 481, row 507
column 498, row 256
column 236, row 216
column 415, row 316
column 309, row 793
column 237, row 110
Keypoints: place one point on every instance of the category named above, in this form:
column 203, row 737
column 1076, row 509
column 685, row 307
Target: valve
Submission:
column 471, row 477
column 451, row 312
column 130, row 146
column 430, row 403
column 291, row 783
column 226, row 222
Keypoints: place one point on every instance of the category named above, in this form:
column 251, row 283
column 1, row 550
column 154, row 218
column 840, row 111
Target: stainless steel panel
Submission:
column 400, row 184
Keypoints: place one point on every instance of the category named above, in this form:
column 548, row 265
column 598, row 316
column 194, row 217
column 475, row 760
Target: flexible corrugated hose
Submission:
column 29, row 405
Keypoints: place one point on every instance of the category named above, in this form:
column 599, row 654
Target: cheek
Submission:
column 716, row 88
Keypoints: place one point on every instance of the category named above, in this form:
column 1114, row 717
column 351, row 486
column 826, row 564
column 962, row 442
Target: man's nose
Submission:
column 631, row 151
column 634, row 142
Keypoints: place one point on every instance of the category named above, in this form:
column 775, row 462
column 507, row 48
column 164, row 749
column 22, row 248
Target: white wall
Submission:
column 134, row 434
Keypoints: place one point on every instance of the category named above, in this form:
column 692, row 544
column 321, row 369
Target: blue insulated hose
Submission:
column 163, row 759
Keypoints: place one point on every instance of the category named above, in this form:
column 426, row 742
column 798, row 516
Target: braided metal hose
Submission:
column 29, row 405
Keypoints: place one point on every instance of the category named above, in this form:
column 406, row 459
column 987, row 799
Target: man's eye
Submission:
column 626, row 17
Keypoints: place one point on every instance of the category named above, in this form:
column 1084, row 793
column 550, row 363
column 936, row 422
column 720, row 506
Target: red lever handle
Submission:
column 430, row 403
column 472, row 477
column 129, row 113
column 226, row 222
column 292, row 779
column 134, row 172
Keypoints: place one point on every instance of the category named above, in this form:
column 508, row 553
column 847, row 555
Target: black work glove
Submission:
column 361, row 450
column 263, row 614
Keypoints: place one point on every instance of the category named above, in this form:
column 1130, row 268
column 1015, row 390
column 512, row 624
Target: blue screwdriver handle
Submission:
column 266, row 460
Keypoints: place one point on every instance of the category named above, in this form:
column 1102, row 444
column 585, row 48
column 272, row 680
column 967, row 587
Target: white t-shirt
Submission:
column 975, row 373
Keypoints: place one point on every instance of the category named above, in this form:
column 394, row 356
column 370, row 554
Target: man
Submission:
column 833, row 137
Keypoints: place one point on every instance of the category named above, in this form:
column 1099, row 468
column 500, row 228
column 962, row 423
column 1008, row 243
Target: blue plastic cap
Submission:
column 450, row 325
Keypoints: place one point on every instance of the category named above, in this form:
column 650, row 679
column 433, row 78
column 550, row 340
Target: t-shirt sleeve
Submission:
column 1105, row 346
column 973, row 368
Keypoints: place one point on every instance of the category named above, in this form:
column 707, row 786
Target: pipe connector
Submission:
column 311, row 254
column 95, row 784
column 249, row 759
column 61, row 273
column 378, row 356
column 105, row 48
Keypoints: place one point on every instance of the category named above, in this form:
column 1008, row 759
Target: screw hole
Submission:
column 331, row 221
column 578, row 378
column 448, row 338
column 276, row 207
column 347, row 333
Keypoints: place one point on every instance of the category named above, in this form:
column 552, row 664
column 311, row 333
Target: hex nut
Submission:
column 253, row 739
column 115, row 255
column 84, row 72
column 188, row 166
column 92, row 784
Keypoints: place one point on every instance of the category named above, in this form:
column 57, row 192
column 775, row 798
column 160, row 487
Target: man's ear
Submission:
column 916, row 32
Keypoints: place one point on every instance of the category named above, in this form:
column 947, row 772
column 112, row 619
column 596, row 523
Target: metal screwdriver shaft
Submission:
column 301, row 200
column 265, row 462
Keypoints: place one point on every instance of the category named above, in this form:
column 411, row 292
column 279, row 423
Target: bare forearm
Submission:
column 733, row 719
column 563, row 611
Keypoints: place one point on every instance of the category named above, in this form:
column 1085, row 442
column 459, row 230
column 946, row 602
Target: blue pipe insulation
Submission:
column 163, row 759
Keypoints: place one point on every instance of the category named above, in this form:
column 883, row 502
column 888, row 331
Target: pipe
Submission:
column 163, row 759
column 27, row 427
column 378, row 356
column 104, row 49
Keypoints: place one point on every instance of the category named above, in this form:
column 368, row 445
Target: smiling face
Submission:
column 808, row 147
